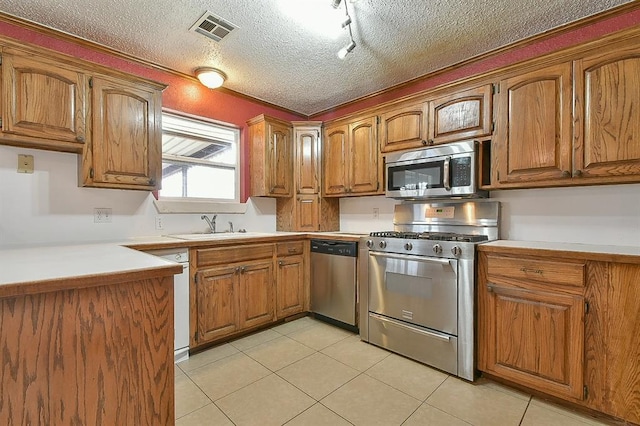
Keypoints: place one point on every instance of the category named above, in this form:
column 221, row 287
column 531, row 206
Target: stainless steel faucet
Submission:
column 211, row 222
column 230, row 226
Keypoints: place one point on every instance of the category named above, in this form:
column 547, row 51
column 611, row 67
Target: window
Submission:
column 200, row 160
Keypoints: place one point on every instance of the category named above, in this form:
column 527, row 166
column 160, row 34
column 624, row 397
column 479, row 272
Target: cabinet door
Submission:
column 335, row 160
column 307, row 213
column 216, row 303
column 534, row 135
column 364, row 172
column 608, row 115
column 43, row 99
column 127, row 137
column 404, row 128
column 279, row 160
column 290, row 286
column 533, row 337
column 256, row 294
column 461, row 115
column 307, row 160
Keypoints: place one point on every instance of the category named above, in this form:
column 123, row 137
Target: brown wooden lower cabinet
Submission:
column 239, row 288
column 92, row 356
column 562, row 325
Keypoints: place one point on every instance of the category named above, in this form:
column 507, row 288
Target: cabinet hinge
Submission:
column 586, row 307
column 498, row 173
column 377, row 119
column 0, row 59
column 378, row 186
column 493, row 126
column 0, row 122
column 195, row 335
column 195, row 279
column 585, row 392
column 496, row 88
column 318, row 134
column 91, row 173
column 91, row 82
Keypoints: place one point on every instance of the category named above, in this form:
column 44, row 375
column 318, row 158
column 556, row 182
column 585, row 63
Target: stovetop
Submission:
column 435, row 236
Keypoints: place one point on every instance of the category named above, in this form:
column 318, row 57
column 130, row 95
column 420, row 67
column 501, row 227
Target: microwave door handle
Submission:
column 445, row 172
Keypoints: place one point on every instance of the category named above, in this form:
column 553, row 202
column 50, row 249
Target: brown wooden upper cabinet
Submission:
column 533, row 135
column 607, row 108
column 44, row 102
column 404, row 127
column 461, row 115
column 307, row 152
column 125, row 150
column 351, row 159
column 271, row 157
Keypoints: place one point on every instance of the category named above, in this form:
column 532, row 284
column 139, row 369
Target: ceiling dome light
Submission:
column 211, row 77
column 347, row 49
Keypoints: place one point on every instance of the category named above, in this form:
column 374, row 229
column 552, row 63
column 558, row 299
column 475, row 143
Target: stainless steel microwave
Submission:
column 442, row 171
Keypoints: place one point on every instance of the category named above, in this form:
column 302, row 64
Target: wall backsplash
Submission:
column 47, row 207
column 607, row 215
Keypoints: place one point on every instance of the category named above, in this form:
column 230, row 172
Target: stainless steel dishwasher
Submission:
column 333, row 281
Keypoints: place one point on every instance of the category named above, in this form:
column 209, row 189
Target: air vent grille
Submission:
column 213, row 26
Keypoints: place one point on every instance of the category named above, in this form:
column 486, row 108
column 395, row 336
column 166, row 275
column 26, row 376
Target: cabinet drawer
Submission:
column 545, row 271
column 233, row 254
column 290, row 249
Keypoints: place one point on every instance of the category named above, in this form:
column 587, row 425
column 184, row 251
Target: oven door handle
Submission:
column 424, row 259
column 435, row 335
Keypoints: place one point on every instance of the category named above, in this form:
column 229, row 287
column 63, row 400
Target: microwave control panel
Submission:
column 460, row 171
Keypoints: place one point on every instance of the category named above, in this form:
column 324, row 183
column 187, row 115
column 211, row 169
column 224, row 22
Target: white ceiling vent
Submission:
column 213, row 26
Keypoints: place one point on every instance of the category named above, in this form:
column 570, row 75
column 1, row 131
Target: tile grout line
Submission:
column 524, row 413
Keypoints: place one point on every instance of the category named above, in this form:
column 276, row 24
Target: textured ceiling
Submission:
column 279, row 58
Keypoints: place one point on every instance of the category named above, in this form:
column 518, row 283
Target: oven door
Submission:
column 419, row 290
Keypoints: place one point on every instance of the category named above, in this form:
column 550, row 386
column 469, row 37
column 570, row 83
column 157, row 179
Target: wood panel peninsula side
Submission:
column 86, row 334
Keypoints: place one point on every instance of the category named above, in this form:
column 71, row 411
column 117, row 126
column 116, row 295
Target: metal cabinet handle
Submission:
column 80, row 138
column 243, row 269
column 534, row 271
column 490, row 288
column 424, row 142
column 566, row 174
column 291, row 250
column 237, row 270
column 577, row 173
column 280, row 263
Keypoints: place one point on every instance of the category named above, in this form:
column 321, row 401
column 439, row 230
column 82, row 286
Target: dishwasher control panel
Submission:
column 337, row 248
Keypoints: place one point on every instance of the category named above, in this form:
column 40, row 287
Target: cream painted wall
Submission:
column 48, row 208
column 608, row 215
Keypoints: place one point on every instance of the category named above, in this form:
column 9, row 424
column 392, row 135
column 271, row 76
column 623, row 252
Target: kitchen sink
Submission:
column 218, row 236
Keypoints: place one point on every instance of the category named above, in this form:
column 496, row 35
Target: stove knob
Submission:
column 408, row 246
column 437, row 249
column 369, row 243
column 456, row 251
column 382, row 244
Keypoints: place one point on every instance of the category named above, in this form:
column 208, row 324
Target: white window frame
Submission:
column 198, row 127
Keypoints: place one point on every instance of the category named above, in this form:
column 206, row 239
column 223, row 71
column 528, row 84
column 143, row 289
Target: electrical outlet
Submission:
column 376, row 212
column 159, row 222
column 102, row 215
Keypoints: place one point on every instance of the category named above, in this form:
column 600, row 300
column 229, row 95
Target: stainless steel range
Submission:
column 417, row 282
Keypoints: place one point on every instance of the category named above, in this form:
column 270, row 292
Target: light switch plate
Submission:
column 25, row 163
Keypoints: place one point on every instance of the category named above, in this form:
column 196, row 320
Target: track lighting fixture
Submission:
column 347, row 49
column 335, row 3
column 346, row 23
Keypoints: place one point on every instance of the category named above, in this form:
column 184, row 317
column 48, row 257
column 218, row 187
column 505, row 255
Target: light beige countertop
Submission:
column 39, row 269
column 600, row 252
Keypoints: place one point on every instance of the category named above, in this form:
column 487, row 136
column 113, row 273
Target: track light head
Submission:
column 347, row 49
column 347, row 21
column 335, row 3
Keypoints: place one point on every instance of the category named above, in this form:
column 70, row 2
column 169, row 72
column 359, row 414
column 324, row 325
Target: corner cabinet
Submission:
column 307, row 210
column 351, row 164
column 44, row 102
column 562, row 322
column 125, row 150
column 271, row 157
column 56, row 102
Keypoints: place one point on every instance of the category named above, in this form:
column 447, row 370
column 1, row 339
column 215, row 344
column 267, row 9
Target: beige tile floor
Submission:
column 306, row 372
